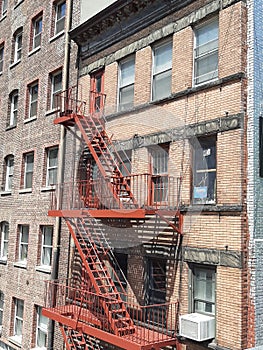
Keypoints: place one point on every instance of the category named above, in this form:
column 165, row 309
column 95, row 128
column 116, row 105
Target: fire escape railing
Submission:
column 85, row 307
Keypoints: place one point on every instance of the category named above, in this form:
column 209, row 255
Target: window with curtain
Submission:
column 126, row 83
column 204, row 290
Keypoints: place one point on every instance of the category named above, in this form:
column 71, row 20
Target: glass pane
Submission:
column 41, row 338
column 162, row 85
column 162, row 58
column 48, row 236
column 207, row 67
column 18, row 327
column 60, row 25
column 206, row 33
column 53, row 157
column 23, row 252
column 33, row 109
column 52, row 177
column 28, row 180
column 29, row 162
column 46, row 256
column 126, row 97
column 127, row 73
column 20, row 308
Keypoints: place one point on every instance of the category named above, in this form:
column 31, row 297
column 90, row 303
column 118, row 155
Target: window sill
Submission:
column 210, row 208
column 28, row 120
column 18, row 3
column 5, row 193
column 34, row 51
column 16, row 340
column 52, row 111
column 14, row 64
column 25, row 190
column 42, row 348
column 45, row 269
column 3, row 17
column 48, row 188
column 3, row 261
column 9, row 127
column 57, row 36
column 20, row 264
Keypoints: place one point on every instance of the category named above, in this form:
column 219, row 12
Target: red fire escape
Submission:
column 99, row 308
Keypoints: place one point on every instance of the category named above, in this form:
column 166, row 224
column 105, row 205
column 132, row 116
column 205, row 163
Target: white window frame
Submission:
column 23, row 244
column 4, row 7
column 17, row 336
column 28, row 172
column 18, row 46
column 41, row 328
column 126, row 82
column 9, row 173
column 163, row 70
column 4, row 240
column 33, row 99
column 13, row 108
column 37, row 32
column 205, row 51
column 160, row 165
column 46, row 248
column 51, row 168
column 208, row 303
column 2, row 301
column 60, row 17
column 1, row 58
column 54, row 89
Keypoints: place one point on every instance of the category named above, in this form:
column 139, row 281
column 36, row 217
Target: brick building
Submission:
column 169, row 87
column 33, row 35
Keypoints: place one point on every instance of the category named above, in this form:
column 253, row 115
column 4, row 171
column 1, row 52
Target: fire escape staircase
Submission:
column 91, row 243
column 91, row 246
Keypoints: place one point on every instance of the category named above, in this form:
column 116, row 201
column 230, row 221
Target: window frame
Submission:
column 129, row 84
column 60, row 19
column 2, row 302
column 4, row 6
column 207, row 269
column 51, row 168
column 4, row 240
column 205, row 194
column 37, row 34
column 13, row 111
column 206, row 54
column 53, row 100
column 18, row 40
column 9, row 173
column 40, row 328
column 44, row 247
column 18, row 318
column 33, row 102
column 2, row 51
column 27, row 171
column 165, row 71
column 23, row 245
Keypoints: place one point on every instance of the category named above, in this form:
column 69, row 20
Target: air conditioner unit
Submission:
column 197, row 327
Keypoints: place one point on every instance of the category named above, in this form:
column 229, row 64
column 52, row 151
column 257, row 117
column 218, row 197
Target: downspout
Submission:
column 61, row 165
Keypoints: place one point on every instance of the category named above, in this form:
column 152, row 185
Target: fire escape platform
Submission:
column 141, row 339
column 100, row 213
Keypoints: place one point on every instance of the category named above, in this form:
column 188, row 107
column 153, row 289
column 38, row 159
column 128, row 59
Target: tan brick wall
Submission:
column 143, row 73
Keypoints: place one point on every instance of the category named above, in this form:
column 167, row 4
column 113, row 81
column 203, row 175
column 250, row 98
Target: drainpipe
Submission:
column 61, row 164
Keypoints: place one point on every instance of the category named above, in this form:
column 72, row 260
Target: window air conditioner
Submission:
column 197, row 327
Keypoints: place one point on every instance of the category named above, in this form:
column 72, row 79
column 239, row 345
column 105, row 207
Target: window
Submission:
column 204, row 182
column 4, row 240
column 41, row 331
column 13, row 108
column 56, row 87
column 37, row 32
column 46, row 246
column 23, row 243
column 52, row 166
column 4, row 7
column 60, row 17
column 1, row 307
column 18, row 320
column 206, row 52
column 33, row 99
column 9, row 172
column 17, row 51
column 28, row 170
column 1, row 58
column 162, row 71
column 159, row 171
column 204, row 290
column 126, row 83
column 97, row 96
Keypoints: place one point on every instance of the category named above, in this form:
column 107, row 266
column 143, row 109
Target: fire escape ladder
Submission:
column 114, row 308
column 74, row 339
column 176, row 226
column 102, row 150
